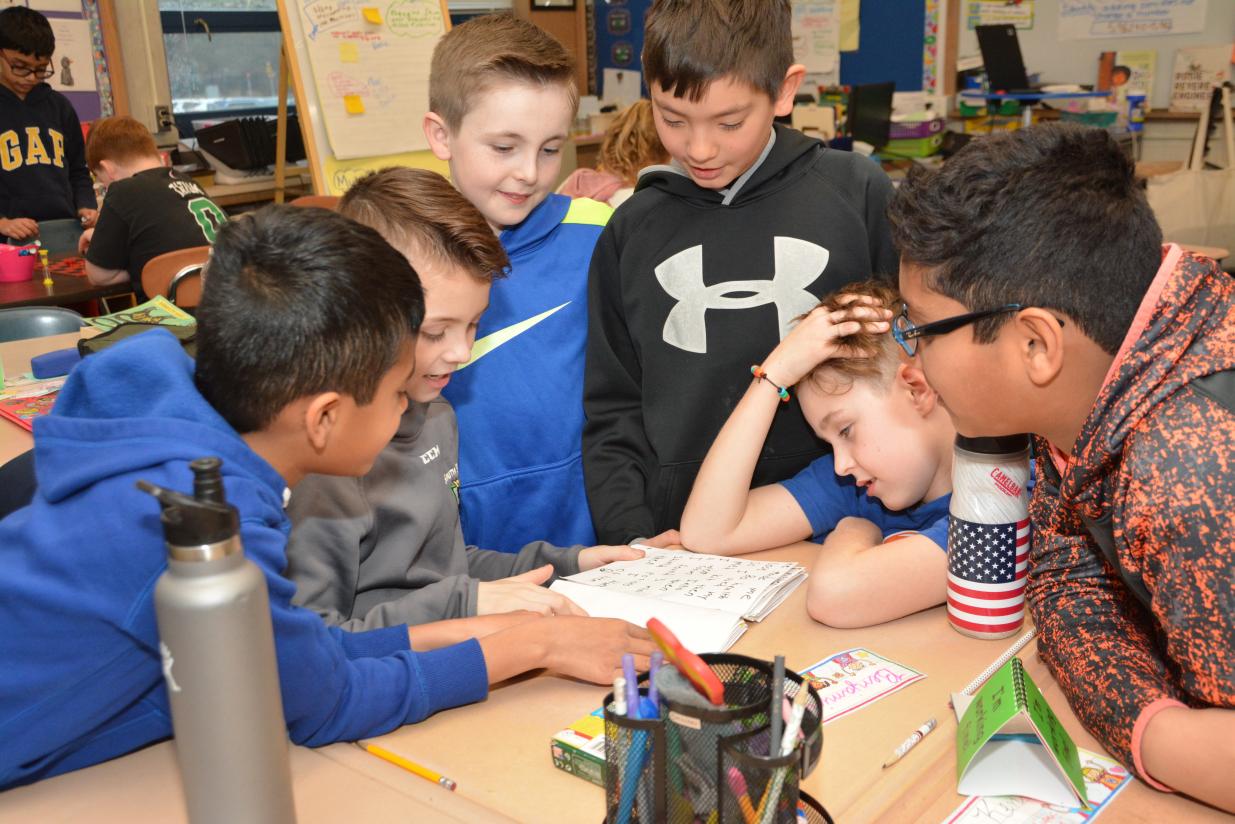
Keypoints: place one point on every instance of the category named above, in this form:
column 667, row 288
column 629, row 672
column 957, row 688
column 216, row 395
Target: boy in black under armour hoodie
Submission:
column 43, row 174
column 700, row 274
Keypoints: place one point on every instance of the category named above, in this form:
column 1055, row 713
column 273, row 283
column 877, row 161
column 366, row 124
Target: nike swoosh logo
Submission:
column 493, row 340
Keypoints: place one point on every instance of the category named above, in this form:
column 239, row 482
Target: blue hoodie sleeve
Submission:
column 823, row 499
column 340, row 686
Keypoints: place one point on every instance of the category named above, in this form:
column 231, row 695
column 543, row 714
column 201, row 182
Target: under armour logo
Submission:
column 798, row 264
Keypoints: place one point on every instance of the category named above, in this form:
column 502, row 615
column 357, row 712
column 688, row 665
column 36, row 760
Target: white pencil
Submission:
column 999, row 662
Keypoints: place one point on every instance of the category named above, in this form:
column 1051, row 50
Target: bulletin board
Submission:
column 1062, row 59
column 80, row 64
column 894, row 45
column 360, row 69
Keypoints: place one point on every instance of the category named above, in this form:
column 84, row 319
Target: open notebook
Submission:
column 704, row 599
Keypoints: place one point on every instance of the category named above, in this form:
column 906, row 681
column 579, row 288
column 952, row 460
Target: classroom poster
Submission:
column 73, row 60
column 816, row 35
column 1019, row 13
column 1087, row 19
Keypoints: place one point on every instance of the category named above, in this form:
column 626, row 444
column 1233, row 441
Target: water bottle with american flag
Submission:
column 988, row 535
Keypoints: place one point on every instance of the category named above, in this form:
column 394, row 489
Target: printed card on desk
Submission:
column 855, row 678
column 1104, row 779
column 158, row 310
column 1009, row 742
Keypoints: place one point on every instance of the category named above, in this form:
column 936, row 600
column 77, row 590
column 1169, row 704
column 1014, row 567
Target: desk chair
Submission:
column 317, row 201
column 60, row 236
column 37, row 322
column 177, row 275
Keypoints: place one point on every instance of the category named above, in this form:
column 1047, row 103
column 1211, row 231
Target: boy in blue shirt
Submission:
column 502, row 99
column 43, row 173
column 303, row 356
column 702, row 271
column 878, row 503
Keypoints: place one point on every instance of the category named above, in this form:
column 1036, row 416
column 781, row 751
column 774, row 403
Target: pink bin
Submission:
column 14, row 265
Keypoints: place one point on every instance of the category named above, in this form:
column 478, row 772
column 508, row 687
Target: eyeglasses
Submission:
column 907, row 334
column 28, row 71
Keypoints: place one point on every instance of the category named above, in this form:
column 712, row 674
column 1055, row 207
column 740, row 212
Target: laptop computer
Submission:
column 1001, row 57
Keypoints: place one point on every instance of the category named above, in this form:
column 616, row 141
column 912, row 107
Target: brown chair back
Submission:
column 177, row 275
column 317, row 201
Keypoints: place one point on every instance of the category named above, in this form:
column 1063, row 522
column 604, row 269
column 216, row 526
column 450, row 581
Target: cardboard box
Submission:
column 580, row 748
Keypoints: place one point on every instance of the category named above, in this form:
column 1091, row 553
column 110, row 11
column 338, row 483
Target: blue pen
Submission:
column 635, row 755
column 658, row 658
column 632, row 686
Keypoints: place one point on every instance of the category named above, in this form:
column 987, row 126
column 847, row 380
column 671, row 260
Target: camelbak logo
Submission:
column 1006, row 485
column 431, row 455
column 798, row 264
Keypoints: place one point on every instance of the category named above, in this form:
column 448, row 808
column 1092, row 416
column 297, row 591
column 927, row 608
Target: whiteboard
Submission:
column 1076, row 61
column 360, row 69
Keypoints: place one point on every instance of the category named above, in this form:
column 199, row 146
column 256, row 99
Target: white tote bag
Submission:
column 1196, row 206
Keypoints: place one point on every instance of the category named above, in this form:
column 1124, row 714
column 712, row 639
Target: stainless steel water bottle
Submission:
column 988, row 535
column 217, row 645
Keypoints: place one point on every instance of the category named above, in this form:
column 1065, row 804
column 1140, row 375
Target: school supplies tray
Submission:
column 696, row 762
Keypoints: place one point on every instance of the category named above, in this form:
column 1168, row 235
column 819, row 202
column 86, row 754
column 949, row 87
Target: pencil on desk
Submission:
column 410, row 766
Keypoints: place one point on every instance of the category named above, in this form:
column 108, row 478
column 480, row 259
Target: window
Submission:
column 222, row 58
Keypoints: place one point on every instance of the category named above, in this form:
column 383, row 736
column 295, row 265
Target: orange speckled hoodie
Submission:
column 1157, row 457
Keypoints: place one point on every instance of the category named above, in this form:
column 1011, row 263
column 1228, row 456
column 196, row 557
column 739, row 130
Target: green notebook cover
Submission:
column 1009, row 742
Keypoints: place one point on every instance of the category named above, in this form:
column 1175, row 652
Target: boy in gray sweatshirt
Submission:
column 387, row 548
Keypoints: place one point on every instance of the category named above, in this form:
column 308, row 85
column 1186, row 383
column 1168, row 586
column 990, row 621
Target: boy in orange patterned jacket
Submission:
column 1119, row 354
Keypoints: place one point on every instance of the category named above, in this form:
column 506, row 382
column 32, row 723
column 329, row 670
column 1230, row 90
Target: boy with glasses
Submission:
column 1119, row 354
column 43, row 174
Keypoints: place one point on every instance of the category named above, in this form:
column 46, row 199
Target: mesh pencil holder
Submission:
column 634, row 766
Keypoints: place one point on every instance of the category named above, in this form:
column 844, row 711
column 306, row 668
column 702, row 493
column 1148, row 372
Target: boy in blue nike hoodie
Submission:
column 502, row 98
column 304, row 354
column 43, row 175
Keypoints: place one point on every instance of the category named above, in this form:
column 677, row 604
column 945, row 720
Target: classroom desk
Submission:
column 16, row 355
column 498, row 751
column 65, row 289
column 145, row 786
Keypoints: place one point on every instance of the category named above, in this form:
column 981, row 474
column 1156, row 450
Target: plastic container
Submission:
column 17, row 262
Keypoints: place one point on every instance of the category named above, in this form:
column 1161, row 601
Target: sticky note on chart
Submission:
column 372, row 14
column 349, row 52
column 353, row 103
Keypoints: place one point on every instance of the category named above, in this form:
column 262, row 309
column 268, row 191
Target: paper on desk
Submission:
column 747, row 589
column 30, row 387
column 1104, row 779
column 856, row 678
column 699, row 629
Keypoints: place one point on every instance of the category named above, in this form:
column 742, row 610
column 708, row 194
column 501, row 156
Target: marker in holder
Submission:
column 680, row 768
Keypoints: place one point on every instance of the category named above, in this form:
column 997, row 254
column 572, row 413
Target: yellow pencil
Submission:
column 410, row 766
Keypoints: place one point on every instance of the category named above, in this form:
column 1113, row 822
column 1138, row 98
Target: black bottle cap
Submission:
column 1001, row 445
column 196, row 521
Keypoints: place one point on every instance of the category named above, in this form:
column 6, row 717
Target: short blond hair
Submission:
column 474, row 55
column 875, row 355
column 631, row 143
column 419, row 213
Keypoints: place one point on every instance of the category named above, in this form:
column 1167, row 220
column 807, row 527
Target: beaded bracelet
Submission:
column 760, row 375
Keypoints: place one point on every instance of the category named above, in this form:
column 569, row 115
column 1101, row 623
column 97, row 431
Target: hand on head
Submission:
column 820, row 335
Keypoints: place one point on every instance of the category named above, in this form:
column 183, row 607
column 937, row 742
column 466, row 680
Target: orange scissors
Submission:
column 690, row 665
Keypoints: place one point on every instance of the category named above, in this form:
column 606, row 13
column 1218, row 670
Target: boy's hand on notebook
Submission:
column 592, row 648
column 19, row 228
column 595, row 556
column 665, row 540
column 820, row 336
column 524, row 591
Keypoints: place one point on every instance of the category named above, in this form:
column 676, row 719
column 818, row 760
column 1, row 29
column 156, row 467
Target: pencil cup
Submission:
column 634, row 766
column 758, row 784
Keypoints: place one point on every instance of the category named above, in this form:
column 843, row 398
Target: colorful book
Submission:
column 23, row 411
column 158, row 310
column 1127, row 70
column 1010, row 742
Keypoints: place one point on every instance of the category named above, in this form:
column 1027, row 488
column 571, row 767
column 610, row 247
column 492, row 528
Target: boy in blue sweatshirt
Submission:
column 43, row 173
column 502, row 98
column 304, row 354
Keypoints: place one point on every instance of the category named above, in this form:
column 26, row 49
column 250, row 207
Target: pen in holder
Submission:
column 683, row 766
